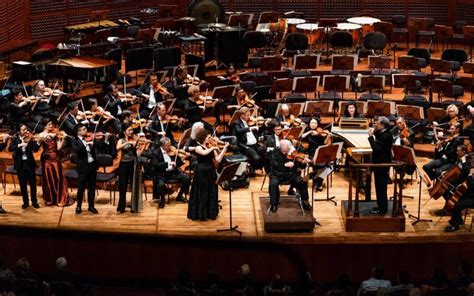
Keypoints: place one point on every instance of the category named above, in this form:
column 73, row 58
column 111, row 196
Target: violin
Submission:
column 321, row 132
column 173, row 119
column 173, row 151
column 161, row 89
column 259, row 121
column 205, row 100
column 98, row 136
column 4, row 136
column 405, row 133
column 126, row 97
column 140, row 123
column 247, row 102
column 215, row 142
column 296, row 156
column 192, row 80
column 47, row 92
column 84, row 115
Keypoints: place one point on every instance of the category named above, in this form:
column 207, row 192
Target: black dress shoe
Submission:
column 291, row 192
column 120, row 211
column 182, row 199
column 93, row 210
column 306, row 206
column 274, row 208
column 451, row 228
column 78, row 210
column 2, row 211
column 24, row 206
column 36, row 205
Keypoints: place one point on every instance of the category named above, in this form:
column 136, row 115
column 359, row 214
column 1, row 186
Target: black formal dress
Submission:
column 130, row 173
column 203, row 199
column 25, row 165
column 86, row 168
column 381, row 145
column 279, row 173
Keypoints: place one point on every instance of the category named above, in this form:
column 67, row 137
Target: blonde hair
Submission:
column 192, row 89
column 453, row 107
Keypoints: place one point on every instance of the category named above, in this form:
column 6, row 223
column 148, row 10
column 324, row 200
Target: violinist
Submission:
column 102, row 121
column 285, row 117
column 151, row 93
column 284, row 169
column 203, row 199
column 180, row 86
column 115, row 104
column 450, row 118
column 19, row 109
column 44, row 105
column 71, row 120
column 86, row 168
column 193, row 110
column 55, row 189
column 403, row 136
column 466, row 201
column 230, row 77
column 129, row 170
column 247, row 139
column 167, row 167
column 233, row 103
column 23, row 145
column 157, row 128
column 445, row 154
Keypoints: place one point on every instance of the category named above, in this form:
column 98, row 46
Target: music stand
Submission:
column 306, row 85
column 271, row 63
column 223, row 92
column 317, row 107
column 375, row 108
column 324, row 156
column 240, row 20
column 408, row 63
column 307, row 61
column 468, row 68
column 343, row 64
column 333, row 84
column 441, row 87
column 282, row 85
column 405, row 81
column 373, row 82
column 296, row 109
column 410, row 112
column 379, row 63
column 292, row 133
column 226, row 176
column 407, row 155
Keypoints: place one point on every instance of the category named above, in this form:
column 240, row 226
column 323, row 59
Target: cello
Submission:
column 445, row 182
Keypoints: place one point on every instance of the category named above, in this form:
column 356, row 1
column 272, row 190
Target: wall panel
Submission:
column 465, row 10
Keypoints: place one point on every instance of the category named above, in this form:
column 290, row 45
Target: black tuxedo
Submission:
column 87, row 172
column 466, row 201
column 445, row 158
column 279, row 173
column 24, row 163
column 193, row 112
column 145, row 89
column 156, row 127
column 161, row 174
column 113, row 104
column 251, row 151
column 69, row 123
column 381, row 153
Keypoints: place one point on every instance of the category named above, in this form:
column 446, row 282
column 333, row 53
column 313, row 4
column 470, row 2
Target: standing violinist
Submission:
column 86, row 168
column 403, row 136
column 151, row 94
column 23, row 146
column 286, row 170
column 157, row 128
column 247, row 138
column 445, row 154
column 167, row 167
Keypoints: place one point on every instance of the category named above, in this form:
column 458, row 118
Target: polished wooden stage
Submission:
column 172, row 220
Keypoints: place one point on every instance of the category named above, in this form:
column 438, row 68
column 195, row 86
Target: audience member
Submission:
column 376, row 282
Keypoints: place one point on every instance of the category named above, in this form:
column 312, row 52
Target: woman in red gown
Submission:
column 55, row 191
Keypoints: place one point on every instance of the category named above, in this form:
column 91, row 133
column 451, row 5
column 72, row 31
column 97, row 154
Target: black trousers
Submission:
column 381, row 182
column 27, row 176
column 125, row 177
column 295, row 181
column 253, row 156
column 435, row 167
column 159, row 183
column 465, row 202
column 87, row 179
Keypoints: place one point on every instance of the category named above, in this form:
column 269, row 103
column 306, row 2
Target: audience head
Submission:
column 245, row 270
column 22, row 265
column 61, row 264
column 403, row 277
column 378, row 272
column 415, row 292
column 470, row 289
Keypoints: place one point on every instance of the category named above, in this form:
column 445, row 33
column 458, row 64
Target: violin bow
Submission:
column 52, row 91
column 64, row 119
column 24, row 88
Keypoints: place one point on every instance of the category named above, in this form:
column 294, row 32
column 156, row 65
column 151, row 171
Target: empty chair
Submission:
column 444, row 87
column 422, row 54
column 400, row 30
column 341, row 40
column 456, row 58
column 296, row 42
column 424, row 28
column 255, row 40
column 458, row 34
column 386, row 28
column 375, row 41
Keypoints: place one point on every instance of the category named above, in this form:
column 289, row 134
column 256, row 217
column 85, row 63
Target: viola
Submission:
column 173, row 151
column 127, row 97
column 205, row 100
column 296, row 156
column 47, row 92
column 140, row 123
column 246, row 101
column 259, row 121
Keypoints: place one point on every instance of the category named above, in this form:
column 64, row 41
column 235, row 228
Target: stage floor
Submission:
column 172, row 220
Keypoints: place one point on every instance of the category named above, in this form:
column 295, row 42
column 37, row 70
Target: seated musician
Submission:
column 193, row 110
column 19, row 110
column 70, row 121
column 285, row 170
column 115, row 104
column 180, row 86
column 233, row 103
column 450, row 118
column 230, row 77
column 285, row 118
column 445, row 154
column 126, row 119
column 351, row 111
column 157, row 128
column 166, row 168
column 466, row 201
column 403, row 136
column 44, row 105
column 151, row 94
column 315, row 136
column 247, row 138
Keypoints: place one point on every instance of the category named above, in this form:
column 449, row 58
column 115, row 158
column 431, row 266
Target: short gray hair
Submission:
column 164, row 141
column 61, row 263
column 384, row 120
column 195, row 128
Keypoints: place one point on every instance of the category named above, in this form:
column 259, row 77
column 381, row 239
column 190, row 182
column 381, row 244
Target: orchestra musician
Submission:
column 70, row 121
column 157, row 128
column 3, row 145
column 381, row 139
column 284, row 169
column 233, row 103
column 247, row 138
column 230, row 77
column 203, row 199
column 19, row 110
column 129, row 170
column 44, row 105
column 271, row 142
column 115, row 103
column 180, row 86
column 404, row 136
column 193, row 110
column 445, row 154
column 152, row 94
column 53, row 181
column 23, row 145
column 285, row 118
column 167, row 167
column 466, row 201
column 351, row 111
column 86, row 168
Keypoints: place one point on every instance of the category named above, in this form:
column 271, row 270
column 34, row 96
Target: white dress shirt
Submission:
column 167, row 159
column 90, row 159
column 151, row 100
column 251, row 140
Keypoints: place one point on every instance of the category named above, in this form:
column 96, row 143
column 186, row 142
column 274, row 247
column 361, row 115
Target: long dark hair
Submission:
column 346, row 111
